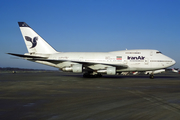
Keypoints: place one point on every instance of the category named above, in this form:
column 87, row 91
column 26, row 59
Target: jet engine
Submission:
column 76, row 68
column 108, row 71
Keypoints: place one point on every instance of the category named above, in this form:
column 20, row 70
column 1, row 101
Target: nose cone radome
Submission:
column 173, row 62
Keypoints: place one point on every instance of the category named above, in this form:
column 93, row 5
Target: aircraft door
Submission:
column 151, row 53
column 125, row 61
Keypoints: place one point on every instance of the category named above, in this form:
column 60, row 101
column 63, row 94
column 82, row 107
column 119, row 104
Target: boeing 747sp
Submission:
column 93, row 63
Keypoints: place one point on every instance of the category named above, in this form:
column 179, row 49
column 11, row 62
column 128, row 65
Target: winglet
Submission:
column 23, row 24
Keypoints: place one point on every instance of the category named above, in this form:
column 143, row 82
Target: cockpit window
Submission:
column 158, row 52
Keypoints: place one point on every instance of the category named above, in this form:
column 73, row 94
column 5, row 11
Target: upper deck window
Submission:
column 132, row 52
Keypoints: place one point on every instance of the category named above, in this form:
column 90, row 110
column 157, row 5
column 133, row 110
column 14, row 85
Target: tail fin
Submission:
column 34, row 42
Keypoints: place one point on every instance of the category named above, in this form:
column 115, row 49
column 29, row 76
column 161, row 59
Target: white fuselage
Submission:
column 136, row 60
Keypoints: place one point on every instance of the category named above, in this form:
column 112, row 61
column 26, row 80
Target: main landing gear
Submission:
column 151, row 76
column 91, row 75
column 98, row 75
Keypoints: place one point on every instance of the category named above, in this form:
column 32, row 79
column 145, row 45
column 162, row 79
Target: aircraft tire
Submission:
column 98, row 75
column 151, row 76
column 88, row 75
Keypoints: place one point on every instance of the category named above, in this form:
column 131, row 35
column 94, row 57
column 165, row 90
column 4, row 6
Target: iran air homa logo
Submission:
column 34, row 41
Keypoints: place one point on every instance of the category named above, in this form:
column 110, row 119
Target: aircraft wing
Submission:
column 119, row 66
column 27, row 56
column 40, row 58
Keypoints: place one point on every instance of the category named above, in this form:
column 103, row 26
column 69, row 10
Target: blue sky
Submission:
column 90, row 26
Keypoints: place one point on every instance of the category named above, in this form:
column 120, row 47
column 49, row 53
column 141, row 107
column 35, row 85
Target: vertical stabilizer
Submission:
column 34, row 42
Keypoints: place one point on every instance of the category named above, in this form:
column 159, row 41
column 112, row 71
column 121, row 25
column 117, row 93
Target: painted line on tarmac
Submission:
column 158, row 101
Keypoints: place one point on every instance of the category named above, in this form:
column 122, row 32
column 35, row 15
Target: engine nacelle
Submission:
column 111, row 70
column 76, row 68
column 108, row 71
column 67, row 69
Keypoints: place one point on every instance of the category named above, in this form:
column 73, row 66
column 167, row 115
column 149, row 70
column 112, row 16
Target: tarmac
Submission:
column 68, row 96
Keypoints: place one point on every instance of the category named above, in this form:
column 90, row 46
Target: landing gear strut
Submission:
column 151, row 76
column 90, row 75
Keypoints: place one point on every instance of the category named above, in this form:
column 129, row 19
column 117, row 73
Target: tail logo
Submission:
column 34, row 41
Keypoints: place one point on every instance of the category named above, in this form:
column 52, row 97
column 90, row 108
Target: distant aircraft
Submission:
column 93, row 64
column 176, row 70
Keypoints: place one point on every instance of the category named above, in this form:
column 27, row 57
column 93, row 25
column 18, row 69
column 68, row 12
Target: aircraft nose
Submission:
column 173, row 62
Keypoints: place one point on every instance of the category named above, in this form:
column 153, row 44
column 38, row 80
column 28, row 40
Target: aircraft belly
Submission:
column 45, row 63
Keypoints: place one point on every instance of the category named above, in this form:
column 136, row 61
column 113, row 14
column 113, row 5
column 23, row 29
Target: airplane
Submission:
column 175, row 70
column 93, row 64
